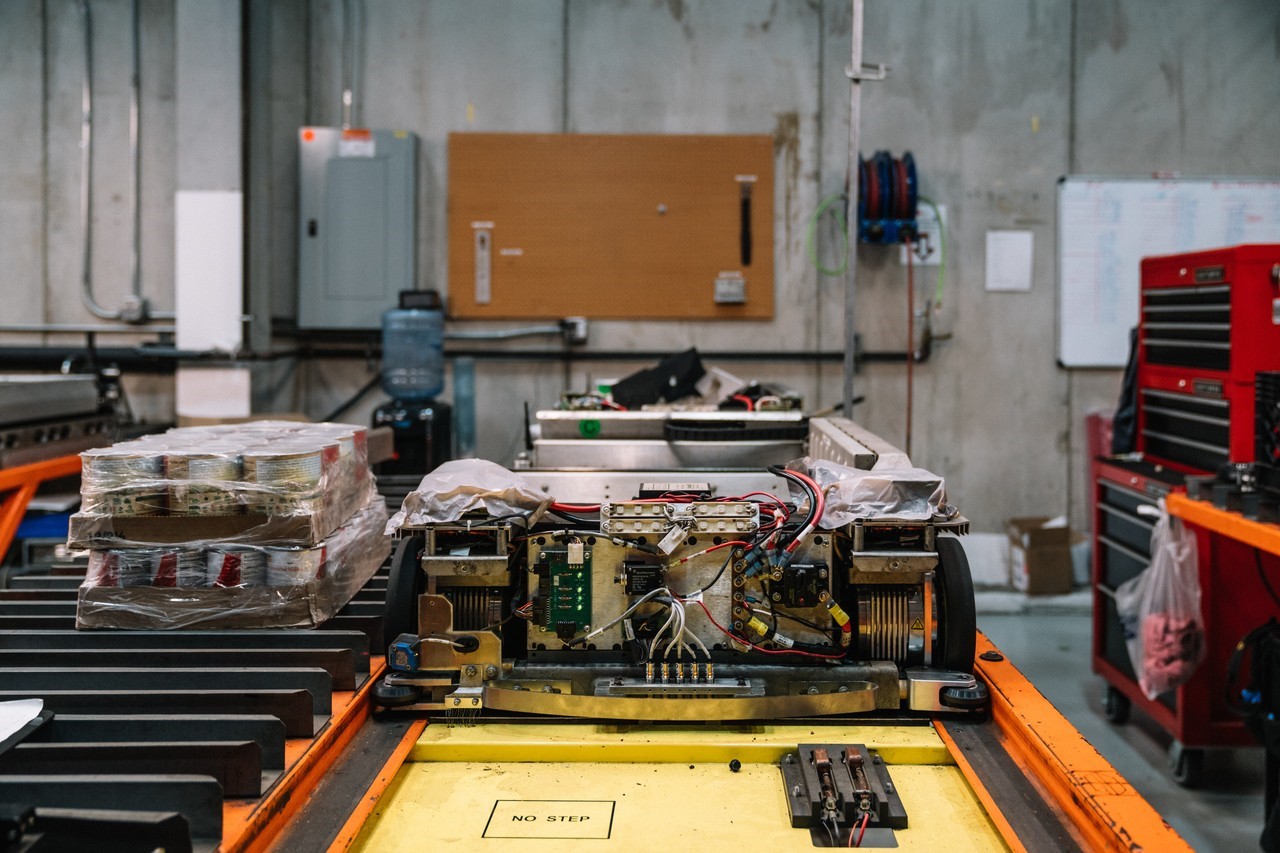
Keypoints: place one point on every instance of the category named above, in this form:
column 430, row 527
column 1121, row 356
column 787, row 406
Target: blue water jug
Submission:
column 413, row 347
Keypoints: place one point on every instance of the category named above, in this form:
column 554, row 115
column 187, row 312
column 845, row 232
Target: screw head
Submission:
column 490, row 671
column 471, row 670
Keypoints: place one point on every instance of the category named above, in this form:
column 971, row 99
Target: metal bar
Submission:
column 1174, row 342
column 266, row 731
column 1087, row 791
column 1190, row 416
column 236, row 765
column 1117, row 512
column 286, row 798
column 314, row 681
column 1185, row 398
column 292, row 707
column 43, row 582
column 54, row 595
column 197, row 798
column 366, row 804
column 1187, row 442
column 1174, row 292
column 42, row 608
column 851, row 277
column 36, row 623
column 86, row 329
column 356, row 642
column 338, row 663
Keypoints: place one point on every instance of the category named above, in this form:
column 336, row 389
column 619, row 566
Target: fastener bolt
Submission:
column 490, row 671
column 471, row 670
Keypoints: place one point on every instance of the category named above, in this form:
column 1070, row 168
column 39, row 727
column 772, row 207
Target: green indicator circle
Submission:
column 589, row 428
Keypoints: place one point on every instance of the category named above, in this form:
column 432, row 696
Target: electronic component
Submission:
column 803, row 584
column 565, row 584
column 834, row 788
column 403, row 653
column 640, row 578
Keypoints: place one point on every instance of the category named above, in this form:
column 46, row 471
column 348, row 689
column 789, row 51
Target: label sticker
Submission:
column 550, row 819
column 356, row 143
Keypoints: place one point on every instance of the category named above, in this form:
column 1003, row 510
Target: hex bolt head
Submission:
column 491, row 671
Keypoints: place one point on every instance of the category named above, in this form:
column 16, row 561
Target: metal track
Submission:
column 222, row 727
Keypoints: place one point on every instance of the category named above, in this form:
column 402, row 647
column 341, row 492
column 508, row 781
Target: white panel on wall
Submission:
column 209, row 267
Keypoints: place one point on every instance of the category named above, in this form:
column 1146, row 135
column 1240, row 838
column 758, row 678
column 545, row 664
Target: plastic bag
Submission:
column 908, row 494
column 455, row 488
column 1160, row 611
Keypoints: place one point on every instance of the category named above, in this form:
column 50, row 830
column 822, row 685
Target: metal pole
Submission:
column 851, row 277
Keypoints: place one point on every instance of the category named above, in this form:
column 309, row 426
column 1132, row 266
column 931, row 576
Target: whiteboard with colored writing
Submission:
column 1106, row 226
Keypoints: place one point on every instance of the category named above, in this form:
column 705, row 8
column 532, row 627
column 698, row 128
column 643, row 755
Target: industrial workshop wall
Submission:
column 995, row 98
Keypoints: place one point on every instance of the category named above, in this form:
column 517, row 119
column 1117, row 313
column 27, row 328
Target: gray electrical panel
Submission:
column 357, row 225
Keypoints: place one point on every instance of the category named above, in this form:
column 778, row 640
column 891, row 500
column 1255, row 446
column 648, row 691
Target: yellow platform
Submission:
column 515, row 788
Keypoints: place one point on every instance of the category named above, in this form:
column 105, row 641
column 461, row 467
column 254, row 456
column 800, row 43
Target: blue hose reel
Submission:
column 887, row 195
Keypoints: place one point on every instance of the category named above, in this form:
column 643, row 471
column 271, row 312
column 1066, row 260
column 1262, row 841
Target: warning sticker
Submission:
column 917, row 625
column 550, row 819
column 357, row 142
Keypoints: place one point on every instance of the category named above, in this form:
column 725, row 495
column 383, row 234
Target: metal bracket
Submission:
column 879, row 71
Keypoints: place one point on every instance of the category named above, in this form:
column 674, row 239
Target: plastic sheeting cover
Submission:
column 465, row 485
column 905, row 494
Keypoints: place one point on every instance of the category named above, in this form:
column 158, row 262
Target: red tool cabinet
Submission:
column 1208, row 325
column 1209, row 322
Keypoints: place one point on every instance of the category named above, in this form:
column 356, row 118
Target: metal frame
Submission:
column 19, row 485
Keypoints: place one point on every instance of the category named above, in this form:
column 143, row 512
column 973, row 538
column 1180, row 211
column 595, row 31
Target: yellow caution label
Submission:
column 917, row 625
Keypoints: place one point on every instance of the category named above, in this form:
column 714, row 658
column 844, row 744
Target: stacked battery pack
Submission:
column 266, row 524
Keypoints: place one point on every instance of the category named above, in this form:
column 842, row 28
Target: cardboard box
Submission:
column 1039, row 556
column 305, row 527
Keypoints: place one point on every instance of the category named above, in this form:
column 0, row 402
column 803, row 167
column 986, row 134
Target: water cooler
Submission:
column 413, row 374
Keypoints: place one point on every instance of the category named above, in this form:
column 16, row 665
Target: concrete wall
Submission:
column 996, row 98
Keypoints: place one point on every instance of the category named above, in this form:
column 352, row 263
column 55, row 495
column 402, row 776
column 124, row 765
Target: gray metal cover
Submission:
column 356, row 225
column 41, row 398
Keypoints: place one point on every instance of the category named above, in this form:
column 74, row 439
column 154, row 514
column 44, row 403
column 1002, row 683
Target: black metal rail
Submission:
column 146, row 733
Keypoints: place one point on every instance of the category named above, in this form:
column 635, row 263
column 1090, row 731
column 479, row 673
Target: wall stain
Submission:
column 677, row 10
column 1119, row 26
column 786, row 145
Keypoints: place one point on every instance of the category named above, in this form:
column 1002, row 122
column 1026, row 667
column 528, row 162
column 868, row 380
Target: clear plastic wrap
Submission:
column 1160, row 610
column 465, row 485
column 264, row 482
column 903, row 494
column 209, row 585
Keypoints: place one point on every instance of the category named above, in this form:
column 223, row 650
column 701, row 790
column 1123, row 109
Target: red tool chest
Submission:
column 1210, row 321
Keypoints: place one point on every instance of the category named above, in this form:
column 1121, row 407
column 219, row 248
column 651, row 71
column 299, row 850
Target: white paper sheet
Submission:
column 1009, row 260
column 17, row 713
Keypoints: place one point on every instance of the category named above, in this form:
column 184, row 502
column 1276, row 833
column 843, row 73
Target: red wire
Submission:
column 743, row 398
column 727, row 633
column 575, row 507
column 612, row 405
column 866, row 818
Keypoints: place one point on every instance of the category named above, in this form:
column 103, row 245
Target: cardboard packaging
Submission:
column 1039, row 556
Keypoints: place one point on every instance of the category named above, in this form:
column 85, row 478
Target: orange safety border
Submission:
column 252, row 827
column 351, row 829
column 19, row 485
column 1094, row 798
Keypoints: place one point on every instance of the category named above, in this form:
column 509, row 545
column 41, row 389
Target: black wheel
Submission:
column 957, row 618
column 1116, row 706
column 1187, row 765
column 406, row 583
column 395, row 696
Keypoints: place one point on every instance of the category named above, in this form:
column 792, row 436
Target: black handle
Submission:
column 744, row 236
column 311, row 228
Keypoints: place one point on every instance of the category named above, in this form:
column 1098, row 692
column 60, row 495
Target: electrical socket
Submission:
column 928, row 246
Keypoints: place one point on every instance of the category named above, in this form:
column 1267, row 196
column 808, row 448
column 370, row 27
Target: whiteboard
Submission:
column 1107, row 225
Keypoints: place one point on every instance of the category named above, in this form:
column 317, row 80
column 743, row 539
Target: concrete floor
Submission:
column 1052, row 650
